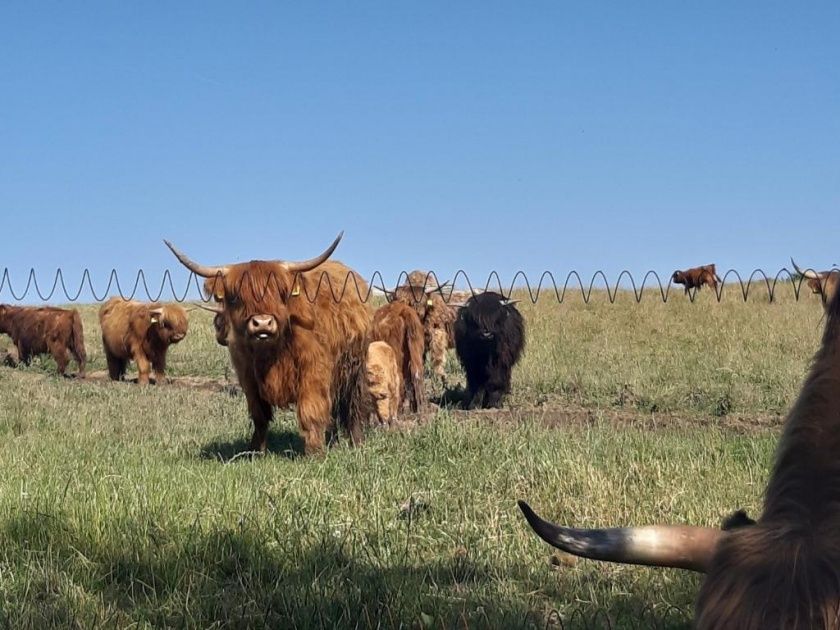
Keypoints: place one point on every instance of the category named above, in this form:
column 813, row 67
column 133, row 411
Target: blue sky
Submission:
column 476, row 136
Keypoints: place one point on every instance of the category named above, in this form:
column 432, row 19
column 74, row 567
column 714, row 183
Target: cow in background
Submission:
column 823, row 283
column 141, row 332
column 45, row 330
column 489, row 339
column 383, row 379
column 782, row 571
column 291, row 342
column 696, row 277
column 398, row 325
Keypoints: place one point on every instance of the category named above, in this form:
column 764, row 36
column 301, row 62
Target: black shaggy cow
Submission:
column 489, row 338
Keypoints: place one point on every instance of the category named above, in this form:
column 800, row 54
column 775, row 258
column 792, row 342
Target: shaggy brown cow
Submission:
column 823, row 283
column 293, row 342
column 781, row 572
column 435, row 315
column 383, row 379
column 45, row 330
column 140, row 332
column 697, row 277
column 398, row 325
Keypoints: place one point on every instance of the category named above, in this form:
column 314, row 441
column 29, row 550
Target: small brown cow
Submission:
column 399, row 325
column 697, row 277
column 141, row 332
column 45, row 330
column 383, row 379
column 823, row 283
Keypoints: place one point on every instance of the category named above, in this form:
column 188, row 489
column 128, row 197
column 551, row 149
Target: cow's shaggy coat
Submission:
column 489, row 339
column 294, row 338
column 398, row 325
column 383, row 378
column 45, row 330
column 140, row 332
column 696, row 277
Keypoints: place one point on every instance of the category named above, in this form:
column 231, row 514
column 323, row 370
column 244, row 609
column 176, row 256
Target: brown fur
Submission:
column 45, row 330
column 784, row 571
column 132, row 331
column 435, row 314
column 383, row 379
column 697, row 277
column 213, row 288
column 318, row 356
column 399, row 326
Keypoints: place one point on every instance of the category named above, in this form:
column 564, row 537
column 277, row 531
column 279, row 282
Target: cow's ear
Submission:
column 301, row 310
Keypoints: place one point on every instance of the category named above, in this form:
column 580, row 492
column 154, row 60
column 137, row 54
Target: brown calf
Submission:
column 45, row 330
column 383, row 379
column 398, row 325
column 141, row 332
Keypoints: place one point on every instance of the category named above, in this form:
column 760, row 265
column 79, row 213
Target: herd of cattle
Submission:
column 291, row 342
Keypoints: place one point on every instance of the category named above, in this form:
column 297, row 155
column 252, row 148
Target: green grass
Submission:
column 120, row 505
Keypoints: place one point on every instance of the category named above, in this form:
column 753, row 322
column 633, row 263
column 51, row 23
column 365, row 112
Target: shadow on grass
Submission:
column 280, row 442
column 63, row 574
column 451, row 398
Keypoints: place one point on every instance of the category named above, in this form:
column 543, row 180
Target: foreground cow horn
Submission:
column 200, row 270
column 808, row 273
column 212, row 309
column 676, row 546
column 306, row 265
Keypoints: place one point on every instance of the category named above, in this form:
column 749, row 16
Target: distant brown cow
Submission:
column 141, row 332
column 292, row 342
column 45, row 330
column 383, row 379
column 823, row 283
column 398, row 325
column 697, row 277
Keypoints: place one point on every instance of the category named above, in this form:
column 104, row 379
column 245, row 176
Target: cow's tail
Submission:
column 351, row 399
column 415, row 341
column 77, row 342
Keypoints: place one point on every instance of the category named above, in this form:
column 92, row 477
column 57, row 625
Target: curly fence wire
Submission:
column 546, row 284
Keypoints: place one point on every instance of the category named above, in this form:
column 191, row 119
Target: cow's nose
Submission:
column 262, row 326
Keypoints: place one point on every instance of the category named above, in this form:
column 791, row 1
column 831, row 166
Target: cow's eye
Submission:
column 232, row 299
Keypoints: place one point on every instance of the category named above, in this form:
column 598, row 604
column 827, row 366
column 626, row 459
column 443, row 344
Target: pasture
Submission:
column 123, row 506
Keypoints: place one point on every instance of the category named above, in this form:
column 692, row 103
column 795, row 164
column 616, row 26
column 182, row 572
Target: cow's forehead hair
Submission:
column 259, row 279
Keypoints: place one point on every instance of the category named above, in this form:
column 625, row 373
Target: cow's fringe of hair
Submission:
column 784, row 572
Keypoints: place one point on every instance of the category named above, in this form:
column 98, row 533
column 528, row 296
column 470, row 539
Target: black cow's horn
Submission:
column 306, row 265
column 676, row 546
column 200, row 270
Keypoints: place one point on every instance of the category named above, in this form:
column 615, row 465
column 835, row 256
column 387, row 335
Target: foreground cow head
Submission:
column 784, row 570
column 169, row 322
column 823, row 283
column 258, row 300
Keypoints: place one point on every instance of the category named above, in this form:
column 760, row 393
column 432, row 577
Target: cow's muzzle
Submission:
column 262, row 327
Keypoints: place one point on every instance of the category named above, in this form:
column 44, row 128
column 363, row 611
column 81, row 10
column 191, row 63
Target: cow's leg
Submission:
column 261, row 413
column 116, row 366
column 144, row 366
column 159, row 366
column 313, row 412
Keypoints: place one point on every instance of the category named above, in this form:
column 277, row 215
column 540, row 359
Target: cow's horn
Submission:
column 808, row 273
column 306, row 265
column 199, row 270
column 212, row 309
column 440, row 287
column 382, row 288
column 679, row 547
column 510, row 302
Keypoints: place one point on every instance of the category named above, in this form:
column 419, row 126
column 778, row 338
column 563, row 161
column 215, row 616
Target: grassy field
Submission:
column 122, row 506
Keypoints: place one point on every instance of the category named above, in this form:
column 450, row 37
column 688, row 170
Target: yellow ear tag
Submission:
column 154, row 319
column 296, row 291
column 429, row 303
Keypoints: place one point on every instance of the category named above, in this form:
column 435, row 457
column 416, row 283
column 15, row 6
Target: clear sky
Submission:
column 482, row 136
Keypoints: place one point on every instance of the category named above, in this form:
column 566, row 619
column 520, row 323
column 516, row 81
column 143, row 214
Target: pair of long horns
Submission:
column 426, row 291
column 675, row 546
column 206, row 271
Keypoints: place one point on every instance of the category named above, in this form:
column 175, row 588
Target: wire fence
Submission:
column 757, row 284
